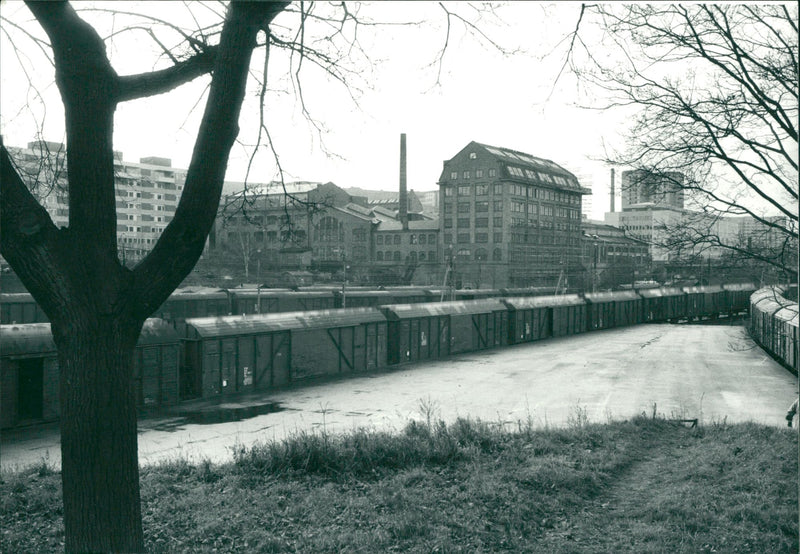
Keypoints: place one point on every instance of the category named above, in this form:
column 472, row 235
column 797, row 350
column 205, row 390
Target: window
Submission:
column 481, row 206
column 463, row 237
column 359, row 235
column 515, row 171
column 378, row 239
column 431, row 238
column 422, row 238
column 497, row 222
column 497, row 189
column 463, row 207
column 448, row 208
column 412, row 256
column 492, row 173
column 448, row 238
column 481, row 190
column 481, row 255
column 498, row 236
column 431, row 256
column 453, row 175
column 464, row 191
column 463, row 222
column 272, row 220
column 478, row 173
column 465, row 175
column 482, row 237
column 379, row 256
column 397, row 255
column 498, row 205
column 463, row 254
column 412, row 239
column 448, row 191
column 397, row 239
column 422, row 256
column 473, row 156
column 497, row 255
column 481, row 222
column 448, row 223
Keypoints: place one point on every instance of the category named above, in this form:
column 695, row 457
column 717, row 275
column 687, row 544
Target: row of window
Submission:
column 397, row 256
column 481, row 255
column 480, row 222
column 479, row 173
column 462, row 238
column 396, row 238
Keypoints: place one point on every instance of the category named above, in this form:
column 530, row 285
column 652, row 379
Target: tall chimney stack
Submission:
column 612, row 190
column 403, row 193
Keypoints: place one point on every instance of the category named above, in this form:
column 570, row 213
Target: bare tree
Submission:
column 713, row 94
column 96, row 305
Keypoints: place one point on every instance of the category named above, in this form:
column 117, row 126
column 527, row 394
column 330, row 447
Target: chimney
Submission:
column 403, row 194
column 612, row 190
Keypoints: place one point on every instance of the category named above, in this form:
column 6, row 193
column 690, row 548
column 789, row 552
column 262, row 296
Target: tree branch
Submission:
column 131, row 87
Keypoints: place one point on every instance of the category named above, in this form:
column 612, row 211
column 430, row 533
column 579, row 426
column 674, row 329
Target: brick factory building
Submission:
column 509, row 219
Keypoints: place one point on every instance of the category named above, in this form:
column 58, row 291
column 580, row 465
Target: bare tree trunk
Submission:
column 100, row 471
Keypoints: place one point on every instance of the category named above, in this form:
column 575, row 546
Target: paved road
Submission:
column 713, row 373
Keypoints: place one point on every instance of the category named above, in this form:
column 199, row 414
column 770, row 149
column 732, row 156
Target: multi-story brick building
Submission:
column 147, row 192
column 509, row 219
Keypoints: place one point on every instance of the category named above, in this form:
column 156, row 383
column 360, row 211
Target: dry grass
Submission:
column 642, row 485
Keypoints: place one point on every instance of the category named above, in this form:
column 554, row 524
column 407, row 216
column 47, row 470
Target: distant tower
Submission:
column 612, row 190
column 403, row 201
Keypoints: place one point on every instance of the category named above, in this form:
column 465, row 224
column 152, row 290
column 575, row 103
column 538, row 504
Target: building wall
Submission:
column 663, row 190
column 506, row 225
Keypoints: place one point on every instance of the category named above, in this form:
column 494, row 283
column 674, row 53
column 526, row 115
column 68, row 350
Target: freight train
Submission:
column 217, row 356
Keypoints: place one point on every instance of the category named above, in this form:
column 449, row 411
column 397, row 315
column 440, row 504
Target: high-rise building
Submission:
column 147, row 192
column 660, row 189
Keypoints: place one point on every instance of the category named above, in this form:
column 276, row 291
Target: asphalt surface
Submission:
column 705, row 372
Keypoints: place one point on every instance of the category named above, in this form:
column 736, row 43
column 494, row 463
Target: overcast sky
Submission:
column 482, row 94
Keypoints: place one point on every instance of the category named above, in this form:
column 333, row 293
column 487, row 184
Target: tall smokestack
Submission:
column 403, row 194
column 612, row 190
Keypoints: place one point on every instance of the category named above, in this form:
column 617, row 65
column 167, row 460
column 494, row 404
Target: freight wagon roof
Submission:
column 528, row 302
column 770, row 302
column 739, row 287
column 602, row 297
column 26, row 339
column 660, row 292
column 211, row 294
column 428, row 309
column 16, row 297
column 367, row 293
column 203, row 327
column 788, row 314
column 157, row 331
column 271, row 293
column 703, row 289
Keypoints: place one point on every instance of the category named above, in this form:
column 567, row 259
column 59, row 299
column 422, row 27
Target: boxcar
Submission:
column 477, row 294
column 410, row 295
column 240, row 354
column 531, row 317
column 569, row 314
column 787, row 319
column 418, row 331
column 738, row 296
column 359, row 298
column 704, row 301
column 156, row 372
column 187, row 303
column 663, row 304
column 30, row 372
column 20, row 307
column 29, row 366
column 275, row 301
column 613, row 309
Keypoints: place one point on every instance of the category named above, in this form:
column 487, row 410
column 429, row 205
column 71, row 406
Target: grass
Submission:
column 644, row 485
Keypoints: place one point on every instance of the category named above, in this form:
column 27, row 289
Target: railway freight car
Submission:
column 30, row 372
column 194, row 302
column 270, row 301
column 704, row 301
column 234, row 354
column 774, row 324
column 613, row 309
column 738, row 296
column 664, row 304
column 417, row 332
column 535, row 318
column 20, row 308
